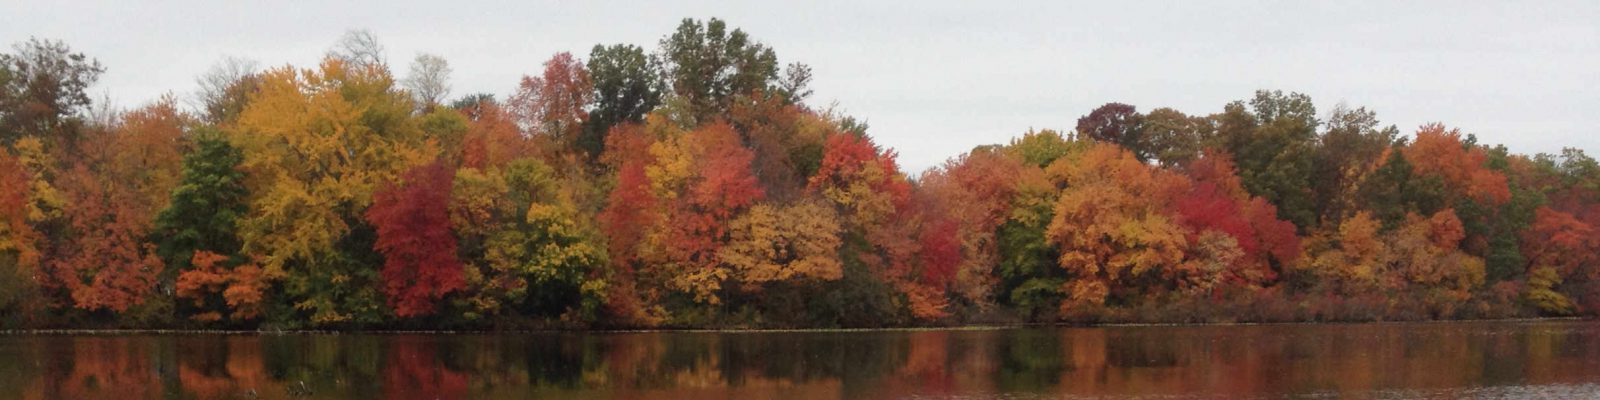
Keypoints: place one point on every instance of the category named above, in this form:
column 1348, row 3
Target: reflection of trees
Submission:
column 1156, row 361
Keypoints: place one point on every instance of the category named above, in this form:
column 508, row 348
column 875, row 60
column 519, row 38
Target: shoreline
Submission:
column 116, row 332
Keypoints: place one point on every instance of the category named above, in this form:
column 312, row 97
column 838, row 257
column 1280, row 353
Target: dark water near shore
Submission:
column 1437, row 360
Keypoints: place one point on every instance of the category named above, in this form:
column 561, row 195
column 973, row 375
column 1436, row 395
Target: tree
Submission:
column 203, row 210
column 103, row 265
column 225, row 88
column 429, row 80
column 145, row 153
column 630, row 215
column 626, row 87
column 1560, row 249
column 213, row 289
column 1111, row 225
column 1271, row 139
column 1351, row 147
column 1217, row 202
column 1441, row 153
column 527, row 250
column 1118, row 124
column 43, row 90
column 359, row 49
column 413, row 225
column 706, row 66
column 19, row 252
column 718, row 187
column 789, row 244
column 554, row 104
column 1172, row 137
column 316, row 143
column 1424, row 253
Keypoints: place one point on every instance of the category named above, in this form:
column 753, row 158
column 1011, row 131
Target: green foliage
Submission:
column 626, row 87
column 204, row 209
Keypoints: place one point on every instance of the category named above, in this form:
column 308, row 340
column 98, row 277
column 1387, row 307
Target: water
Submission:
column 1438, row 360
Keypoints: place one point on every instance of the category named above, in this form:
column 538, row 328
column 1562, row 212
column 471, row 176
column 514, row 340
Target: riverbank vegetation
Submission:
column 692, row 185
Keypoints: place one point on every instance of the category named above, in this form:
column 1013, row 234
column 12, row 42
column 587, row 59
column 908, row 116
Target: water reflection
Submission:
column 1454, row 359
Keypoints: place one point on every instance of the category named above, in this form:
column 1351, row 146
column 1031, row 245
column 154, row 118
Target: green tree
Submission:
column 706, row 66
column 204, row 208
column 1272, row 139
column 626, row 87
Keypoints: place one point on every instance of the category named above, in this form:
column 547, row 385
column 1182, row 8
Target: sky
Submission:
column 935, row 78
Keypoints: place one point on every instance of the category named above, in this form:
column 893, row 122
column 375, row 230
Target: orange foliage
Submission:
column 1111, row 223
column 1440, row 152
column 104, row 264
column 492, row 139
column 242, row 287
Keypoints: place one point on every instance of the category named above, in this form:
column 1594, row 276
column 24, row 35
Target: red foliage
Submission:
column 413, row 370
column 414, row 236
column 940, row 253
column 553, row 103
column 1559, row 240
column 846, row 158
column 1217, row 201
column 723, row 185
column 630, row 206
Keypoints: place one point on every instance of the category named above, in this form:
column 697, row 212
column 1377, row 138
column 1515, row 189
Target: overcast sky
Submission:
column 935, row 78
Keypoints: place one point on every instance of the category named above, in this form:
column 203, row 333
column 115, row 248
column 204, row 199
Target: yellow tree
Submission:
column 774, row 244
column 316, row 143
column 1111, row 224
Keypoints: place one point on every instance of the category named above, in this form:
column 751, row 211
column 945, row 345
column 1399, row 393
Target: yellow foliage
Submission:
column 316, row 144
column 773, row 244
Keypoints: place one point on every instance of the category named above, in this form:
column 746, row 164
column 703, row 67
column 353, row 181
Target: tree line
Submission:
column 691, row 185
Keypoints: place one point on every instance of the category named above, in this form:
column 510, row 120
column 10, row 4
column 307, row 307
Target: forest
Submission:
column 691, row 185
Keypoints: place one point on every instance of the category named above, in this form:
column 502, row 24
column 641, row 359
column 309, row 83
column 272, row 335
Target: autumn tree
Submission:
column 236, row 293
column 1217, row 201
column 1423, row 253
column 1563, row 253
column 413, row 225
column 525, row 248
column 104, row 264
column 316, row 144
column 783, row 244
column 874, row 199
column 708, row 178
column 1439, row 152
column 555, row 103
column 19, row 252
column 1112, row 227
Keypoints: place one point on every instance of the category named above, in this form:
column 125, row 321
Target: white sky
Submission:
column 935, row 78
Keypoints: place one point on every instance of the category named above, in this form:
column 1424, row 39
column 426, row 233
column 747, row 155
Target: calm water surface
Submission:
column 1441, row 360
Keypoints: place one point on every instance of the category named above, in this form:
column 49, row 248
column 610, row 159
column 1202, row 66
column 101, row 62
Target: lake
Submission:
column 1548, row 359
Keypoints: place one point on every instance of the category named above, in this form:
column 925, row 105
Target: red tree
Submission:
column 414, row 236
